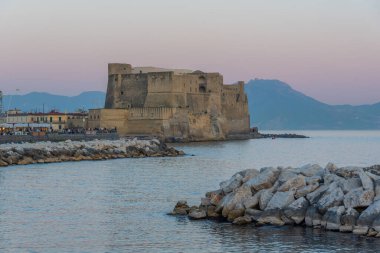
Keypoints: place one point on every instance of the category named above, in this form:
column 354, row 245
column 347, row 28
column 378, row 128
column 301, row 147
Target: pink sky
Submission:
column 326, row 49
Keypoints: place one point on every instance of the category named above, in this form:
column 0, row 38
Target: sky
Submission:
column 327, row 49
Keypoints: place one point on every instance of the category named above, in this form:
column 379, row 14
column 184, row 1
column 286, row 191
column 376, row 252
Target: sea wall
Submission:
column 57, row 137
column 48, row 152
column 343, row 199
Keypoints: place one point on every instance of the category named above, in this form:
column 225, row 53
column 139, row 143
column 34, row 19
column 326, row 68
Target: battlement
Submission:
column 119, row 69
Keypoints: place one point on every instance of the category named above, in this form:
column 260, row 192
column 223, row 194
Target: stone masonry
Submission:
column 172, row 104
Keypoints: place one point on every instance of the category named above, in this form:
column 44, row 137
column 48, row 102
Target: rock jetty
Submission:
column 49, row 152
column 343, row 199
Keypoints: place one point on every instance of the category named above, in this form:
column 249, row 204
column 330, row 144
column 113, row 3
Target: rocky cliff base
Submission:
column 340, row 199
column 48, row 152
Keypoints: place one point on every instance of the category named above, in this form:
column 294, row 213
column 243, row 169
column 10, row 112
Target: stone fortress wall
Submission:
column 189, row 105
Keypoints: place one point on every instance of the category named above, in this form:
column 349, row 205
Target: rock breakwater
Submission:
column 345, row 199
column 48, row 152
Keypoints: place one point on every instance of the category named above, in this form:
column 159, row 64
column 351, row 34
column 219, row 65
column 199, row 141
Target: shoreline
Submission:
column 52, row 152
column 345, row 199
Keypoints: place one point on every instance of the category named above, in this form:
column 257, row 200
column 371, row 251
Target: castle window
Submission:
column 122, row 93
column 202, row 88
column 237, row 97
column 202, row 84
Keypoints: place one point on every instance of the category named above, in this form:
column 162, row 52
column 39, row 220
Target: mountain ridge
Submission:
column 273, row 105
column 44, row 101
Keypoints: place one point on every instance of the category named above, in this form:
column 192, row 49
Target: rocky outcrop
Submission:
column 342, row 199
column 49, row 152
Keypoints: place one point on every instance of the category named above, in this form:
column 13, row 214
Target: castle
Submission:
column 172, row 104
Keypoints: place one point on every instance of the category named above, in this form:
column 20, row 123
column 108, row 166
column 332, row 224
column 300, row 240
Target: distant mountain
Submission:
column 39, row 101
column 274, row 105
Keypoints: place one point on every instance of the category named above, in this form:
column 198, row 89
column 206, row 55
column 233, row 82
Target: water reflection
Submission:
column 121, row 205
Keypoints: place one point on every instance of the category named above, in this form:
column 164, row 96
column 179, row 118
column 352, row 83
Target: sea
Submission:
column 121, row 205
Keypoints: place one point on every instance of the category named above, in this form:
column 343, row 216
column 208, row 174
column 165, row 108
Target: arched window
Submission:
column 202, row 84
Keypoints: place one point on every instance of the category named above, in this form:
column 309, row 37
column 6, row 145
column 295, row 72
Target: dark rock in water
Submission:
column 286, row 135
column 197, row 214
column 341, row 199
column 331, row 219
column 242, row 220
column 235, row 213
column 272, row 216
column 348, row 220
column 181, row 208
column 48, row 152
column 313, row 217
column 286, row 219
column 211, row 213
column 376, row 224
column 3, row 163
column 372, row 232
column 366, row 218
column 253, row 213
column 296, row 211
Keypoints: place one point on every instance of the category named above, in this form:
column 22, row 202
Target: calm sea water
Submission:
column 121, row 205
